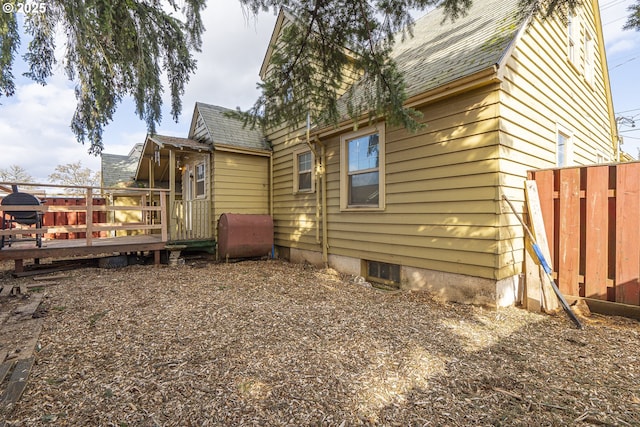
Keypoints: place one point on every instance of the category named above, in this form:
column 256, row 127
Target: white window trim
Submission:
column 573, row 24
column 602, row 157
column 560, row 129
column 344, row 169
column 589, row 65
column 204, row 180
column 296, row 172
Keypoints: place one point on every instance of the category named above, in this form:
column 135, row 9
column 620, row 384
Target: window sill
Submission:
column 362, row 209
column 573, row 65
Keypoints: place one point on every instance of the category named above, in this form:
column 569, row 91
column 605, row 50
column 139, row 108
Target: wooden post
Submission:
column 89, row 216
column 163, row 215
column 18, row 266
column 568, row 267
column 532, row 300
column 627, row 284
column 596, row 232
column 172, row 193
column 549, row 299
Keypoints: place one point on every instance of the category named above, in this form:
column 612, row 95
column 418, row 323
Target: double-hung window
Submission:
column 572, row 26
column 200, row 176
column 362, row 169
column 564, row 147
column 303, row 181
column 589, row 62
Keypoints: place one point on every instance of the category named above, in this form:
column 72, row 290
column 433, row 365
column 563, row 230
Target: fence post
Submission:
column 569, row 232
column 596, row 232
column 89, row 216
column 163, row 215
column 627, row 287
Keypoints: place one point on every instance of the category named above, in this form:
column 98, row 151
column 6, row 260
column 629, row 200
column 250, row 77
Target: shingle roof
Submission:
column 120, row 169
column 228, row 130
column 442, row 51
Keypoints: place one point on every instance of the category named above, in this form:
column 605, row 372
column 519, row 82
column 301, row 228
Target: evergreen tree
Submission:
column 113, row 49
column 118, row 48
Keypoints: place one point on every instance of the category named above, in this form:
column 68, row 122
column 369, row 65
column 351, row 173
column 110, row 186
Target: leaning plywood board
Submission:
column 549, row 300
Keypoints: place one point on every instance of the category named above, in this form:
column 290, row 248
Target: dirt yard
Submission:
column 273, row 344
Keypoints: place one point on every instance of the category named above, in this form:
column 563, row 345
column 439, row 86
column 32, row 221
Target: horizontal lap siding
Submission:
column 294, row 214
column 440, row 194
column 541, row 90
column 241, row 184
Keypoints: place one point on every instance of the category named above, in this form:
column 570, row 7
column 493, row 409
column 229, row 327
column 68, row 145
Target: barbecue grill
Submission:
column 12, row 217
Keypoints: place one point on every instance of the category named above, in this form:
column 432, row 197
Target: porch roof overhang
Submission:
column 157, row 147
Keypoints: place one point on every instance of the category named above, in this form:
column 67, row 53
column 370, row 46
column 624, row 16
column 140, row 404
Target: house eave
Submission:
column 241, row 150
column 473, row 81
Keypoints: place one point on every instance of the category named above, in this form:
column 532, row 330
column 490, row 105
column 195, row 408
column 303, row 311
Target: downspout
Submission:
column 318, row 175
column 271, row 185
column 322, row 204
column 320, row 170
column 325, row 238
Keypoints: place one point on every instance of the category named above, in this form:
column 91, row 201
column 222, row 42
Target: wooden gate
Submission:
column 592, row 222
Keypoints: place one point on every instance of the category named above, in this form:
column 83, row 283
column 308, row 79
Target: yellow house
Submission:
column 220, row 167
column 499, row 96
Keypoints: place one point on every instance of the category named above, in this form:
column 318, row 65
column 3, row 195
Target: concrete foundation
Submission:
column 443, row 285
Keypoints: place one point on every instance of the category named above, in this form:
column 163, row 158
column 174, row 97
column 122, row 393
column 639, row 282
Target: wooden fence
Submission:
column 592, row 223
column 60, row 218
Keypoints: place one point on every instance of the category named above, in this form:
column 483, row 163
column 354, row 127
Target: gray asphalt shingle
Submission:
column 229, row 130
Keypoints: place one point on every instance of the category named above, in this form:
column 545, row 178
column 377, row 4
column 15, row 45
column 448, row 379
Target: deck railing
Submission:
column 191, row 220
column 106, row 212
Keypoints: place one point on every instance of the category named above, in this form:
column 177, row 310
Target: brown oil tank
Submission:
column 244, row 235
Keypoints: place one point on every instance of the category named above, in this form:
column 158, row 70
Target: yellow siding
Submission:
column 541, row 90
column 440, row 194
column 240, row 184
column 444, row 184
column 126, row 216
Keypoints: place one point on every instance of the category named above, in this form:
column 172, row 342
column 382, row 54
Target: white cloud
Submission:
column 35, row 124
column 34, row 128
column 614, row 16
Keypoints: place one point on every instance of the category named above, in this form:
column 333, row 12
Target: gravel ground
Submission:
column 269, row 343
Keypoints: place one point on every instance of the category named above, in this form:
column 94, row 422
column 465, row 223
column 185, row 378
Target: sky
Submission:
column 34, row 123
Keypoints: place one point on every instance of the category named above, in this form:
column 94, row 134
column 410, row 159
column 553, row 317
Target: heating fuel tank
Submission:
column 244, row 236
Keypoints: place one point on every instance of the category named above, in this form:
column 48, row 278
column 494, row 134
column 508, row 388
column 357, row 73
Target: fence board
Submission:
column 592, row 214
column 569, row 232
column 596, row 232
column 627, row 287
column 545, row 181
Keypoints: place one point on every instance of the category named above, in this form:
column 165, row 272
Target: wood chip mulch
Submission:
column 269, row 343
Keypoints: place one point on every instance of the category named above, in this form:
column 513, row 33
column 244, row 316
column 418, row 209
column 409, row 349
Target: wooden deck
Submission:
column 139, row 225
column 78, row 247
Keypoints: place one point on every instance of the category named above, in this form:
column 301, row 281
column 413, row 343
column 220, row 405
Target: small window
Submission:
column 303, row 181
column 383, row 272
column 589, row 63
column 601, row 157
column 200, row 178
column 571, row 37
column 362, row 169
column 563, row 148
